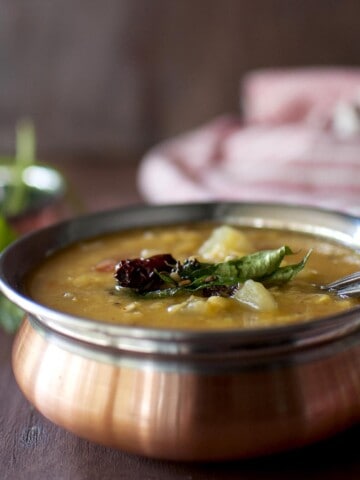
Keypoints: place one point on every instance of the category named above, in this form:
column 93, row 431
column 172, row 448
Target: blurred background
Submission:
column 106, row 80
column 107, row 87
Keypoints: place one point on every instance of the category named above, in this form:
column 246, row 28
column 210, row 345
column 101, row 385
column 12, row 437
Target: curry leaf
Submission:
column 194, row 276
column 254, row 266
column 285, row 274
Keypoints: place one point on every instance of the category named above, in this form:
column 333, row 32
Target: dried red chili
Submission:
column 142, row 274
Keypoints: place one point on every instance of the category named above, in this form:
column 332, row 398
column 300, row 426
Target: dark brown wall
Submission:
column 119, row 75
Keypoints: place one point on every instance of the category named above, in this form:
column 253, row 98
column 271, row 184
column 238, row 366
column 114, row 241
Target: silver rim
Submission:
column 27, row 252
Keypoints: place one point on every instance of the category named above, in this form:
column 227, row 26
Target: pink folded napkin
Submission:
column 301, row 95
column 277, row 154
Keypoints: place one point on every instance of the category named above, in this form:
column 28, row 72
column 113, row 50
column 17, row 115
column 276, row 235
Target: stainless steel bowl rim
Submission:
column 24, row 254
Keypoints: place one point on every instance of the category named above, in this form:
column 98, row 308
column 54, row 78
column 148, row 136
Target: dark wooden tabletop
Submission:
column 31, row 447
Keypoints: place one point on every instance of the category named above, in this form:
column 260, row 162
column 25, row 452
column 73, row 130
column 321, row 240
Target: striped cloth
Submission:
column 298, row 161
column 310, row 95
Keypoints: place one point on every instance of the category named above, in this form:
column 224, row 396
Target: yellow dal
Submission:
column 69, row 281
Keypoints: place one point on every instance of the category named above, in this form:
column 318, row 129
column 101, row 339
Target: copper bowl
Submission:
column 187, row 395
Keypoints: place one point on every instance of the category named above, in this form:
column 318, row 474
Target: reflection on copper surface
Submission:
column 178, row 413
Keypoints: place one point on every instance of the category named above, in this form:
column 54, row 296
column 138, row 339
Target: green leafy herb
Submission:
column 16, row 194
column 256, row 266
column 10, row 315
column 13, row 198
column 208, row 279
column 7, row 234
column 285, row 274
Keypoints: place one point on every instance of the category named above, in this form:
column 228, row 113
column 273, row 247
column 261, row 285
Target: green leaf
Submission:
column 7, row 235
column 254, row 266
column 14, row 202
column 263, row 266
column 285, row 274
column 25, row 156
column 10, row 314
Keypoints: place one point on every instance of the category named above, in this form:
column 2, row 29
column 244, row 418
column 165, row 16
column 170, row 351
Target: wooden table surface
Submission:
column 31, row 447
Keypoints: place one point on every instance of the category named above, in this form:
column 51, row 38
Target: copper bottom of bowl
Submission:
column 174, row 410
